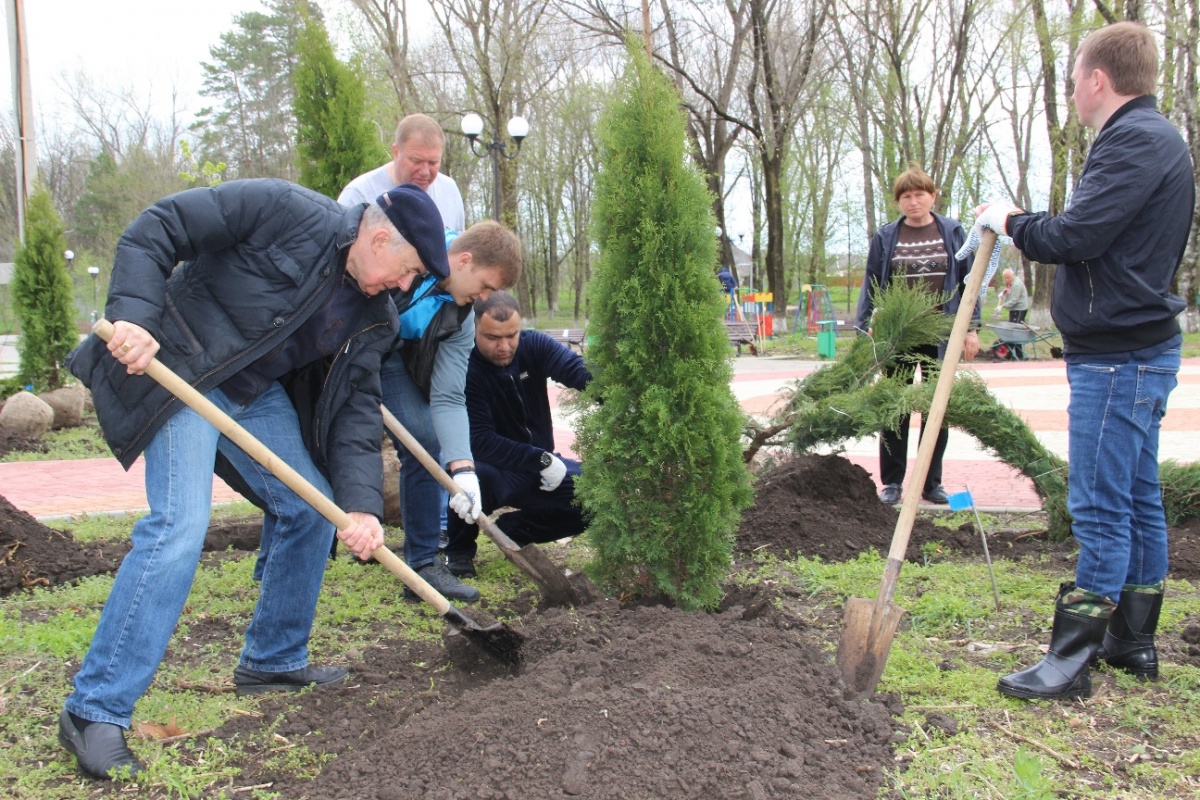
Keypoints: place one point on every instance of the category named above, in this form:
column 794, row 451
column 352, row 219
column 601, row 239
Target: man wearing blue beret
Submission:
column 235, row 288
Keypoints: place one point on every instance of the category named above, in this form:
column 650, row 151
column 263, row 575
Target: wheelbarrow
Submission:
column 1013, row 337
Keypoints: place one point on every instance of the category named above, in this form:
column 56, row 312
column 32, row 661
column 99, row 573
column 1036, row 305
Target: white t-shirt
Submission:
column 367, row 187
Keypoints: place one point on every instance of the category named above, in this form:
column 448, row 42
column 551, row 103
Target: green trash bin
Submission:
column 827, row 339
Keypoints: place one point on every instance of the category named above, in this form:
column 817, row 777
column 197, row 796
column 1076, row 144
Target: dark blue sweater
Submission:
column 508, row 406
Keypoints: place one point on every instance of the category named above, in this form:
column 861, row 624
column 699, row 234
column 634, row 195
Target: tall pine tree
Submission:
column 335, row 139
column 42, row 296
column 664, row 482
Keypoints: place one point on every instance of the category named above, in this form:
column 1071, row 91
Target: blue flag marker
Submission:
column 961, row 501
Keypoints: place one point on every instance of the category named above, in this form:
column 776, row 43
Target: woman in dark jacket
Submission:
column 918, row 247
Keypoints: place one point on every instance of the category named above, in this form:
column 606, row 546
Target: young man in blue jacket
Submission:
column 235, row 287
column 512, row 432
column 423, row 382
column 1117, row 245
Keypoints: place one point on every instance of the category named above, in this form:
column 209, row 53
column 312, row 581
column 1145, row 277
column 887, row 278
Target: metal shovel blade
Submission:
column 866, row 640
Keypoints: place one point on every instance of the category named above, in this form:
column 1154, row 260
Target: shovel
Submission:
column 497, row 639
column 870, row 625
column 557, row 588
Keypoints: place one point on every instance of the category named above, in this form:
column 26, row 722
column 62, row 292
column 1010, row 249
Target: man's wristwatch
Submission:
column 547, row 459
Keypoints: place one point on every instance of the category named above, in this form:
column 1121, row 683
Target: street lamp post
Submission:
column 95, row 273
column 518, row 129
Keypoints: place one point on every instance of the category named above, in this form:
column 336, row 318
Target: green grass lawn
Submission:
column 964, row 740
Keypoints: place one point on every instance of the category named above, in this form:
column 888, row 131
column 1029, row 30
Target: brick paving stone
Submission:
column 1037, row 391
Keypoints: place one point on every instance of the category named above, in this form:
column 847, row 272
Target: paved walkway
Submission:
column 1037, row 391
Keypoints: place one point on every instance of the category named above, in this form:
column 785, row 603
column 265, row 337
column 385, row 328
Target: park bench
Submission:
column 571, row 337
column 742, row 333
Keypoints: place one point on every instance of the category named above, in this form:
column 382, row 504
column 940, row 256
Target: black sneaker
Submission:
column 99, row 748
column 890, row 495
column 251, row 681
column 443, row 540
column 936, row 495
column 461, row 567
column 437, row 576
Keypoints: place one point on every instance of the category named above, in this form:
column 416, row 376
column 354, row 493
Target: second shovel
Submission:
column 558, row 589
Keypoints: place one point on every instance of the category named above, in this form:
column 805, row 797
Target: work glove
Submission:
column 552, row 476
column 995, row 217
column 466, row 503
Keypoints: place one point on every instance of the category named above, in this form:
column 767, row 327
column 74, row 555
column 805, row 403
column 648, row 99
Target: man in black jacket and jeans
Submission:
column 1118, row 245
column 512, row 432
column 234, row 288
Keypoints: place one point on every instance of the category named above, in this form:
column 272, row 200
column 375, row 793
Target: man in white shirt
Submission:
column 417, row 155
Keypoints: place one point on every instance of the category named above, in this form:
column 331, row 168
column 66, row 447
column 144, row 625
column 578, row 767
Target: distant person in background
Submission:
column 918, row 247
column 1015, row 300
column 730, row 286
column 728, row 282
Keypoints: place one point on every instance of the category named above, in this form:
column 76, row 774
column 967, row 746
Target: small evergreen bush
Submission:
column 42, row 296
column 664, row 482
column 335, row 139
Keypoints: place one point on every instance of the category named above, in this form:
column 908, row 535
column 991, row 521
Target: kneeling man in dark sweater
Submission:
column 512, row 432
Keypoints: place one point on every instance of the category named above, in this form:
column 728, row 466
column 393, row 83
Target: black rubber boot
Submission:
column 1080, row 621
column 1129, row 641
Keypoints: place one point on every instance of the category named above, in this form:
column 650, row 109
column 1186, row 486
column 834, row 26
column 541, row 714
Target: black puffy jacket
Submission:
column 258, row 258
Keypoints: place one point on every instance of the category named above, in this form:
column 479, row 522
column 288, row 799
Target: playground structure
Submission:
column 819, row 318
column 756, row 309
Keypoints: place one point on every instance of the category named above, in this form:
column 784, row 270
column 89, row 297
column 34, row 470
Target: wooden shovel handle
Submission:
column 435, row 469
column 289, row 477
column 937, row 413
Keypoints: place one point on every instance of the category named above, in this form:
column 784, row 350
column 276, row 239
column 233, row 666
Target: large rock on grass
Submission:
column 391, row 484
column 25, row 414
column 67, row 404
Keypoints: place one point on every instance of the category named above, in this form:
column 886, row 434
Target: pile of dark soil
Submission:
column 826, row 506
column 610, row 703
column 14, row 442
column 32, row 554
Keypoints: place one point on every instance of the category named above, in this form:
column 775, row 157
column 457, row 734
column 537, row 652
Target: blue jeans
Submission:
column 1113, row 493
column 422, row 499
column 153, row 582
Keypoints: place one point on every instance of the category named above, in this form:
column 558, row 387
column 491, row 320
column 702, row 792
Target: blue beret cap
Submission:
column 416, row 216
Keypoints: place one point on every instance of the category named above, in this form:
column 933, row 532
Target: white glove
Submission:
column 995, row 217
column 553, row 475
column 466, row 502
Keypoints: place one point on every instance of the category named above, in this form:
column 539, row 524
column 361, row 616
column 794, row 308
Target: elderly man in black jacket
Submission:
column 1118, row 245
column 512, row 432
column 274, row 281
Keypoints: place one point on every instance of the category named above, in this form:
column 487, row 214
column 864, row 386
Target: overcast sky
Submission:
column 150, row 45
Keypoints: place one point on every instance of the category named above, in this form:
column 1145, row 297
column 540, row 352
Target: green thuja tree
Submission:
column 664, row 482
column 335, row 140
column 42, row 296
